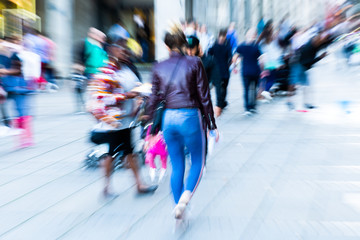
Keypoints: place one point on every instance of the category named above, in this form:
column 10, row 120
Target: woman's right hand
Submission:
column 115, row 124
column 144, row 118
column 217, row 135
column 217, row 111
column 146, row 146
column 264, row 73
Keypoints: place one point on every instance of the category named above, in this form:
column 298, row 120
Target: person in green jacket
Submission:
column 94, row 54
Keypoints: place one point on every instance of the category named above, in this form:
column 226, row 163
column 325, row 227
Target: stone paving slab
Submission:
column 275, row 175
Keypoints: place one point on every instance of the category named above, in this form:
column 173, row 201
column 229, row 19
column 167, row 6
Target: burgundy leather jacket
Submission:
column 188, row 89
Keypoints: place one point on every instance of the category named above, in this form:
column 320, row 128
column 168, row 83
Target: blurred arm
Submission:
column 203, row 91
column 154, row 97
column 100, row 99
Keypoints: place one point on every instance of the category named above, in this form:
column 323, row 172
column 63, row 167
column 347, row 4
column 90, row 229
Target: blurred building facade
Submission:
column 66, row 22
column 247, row 13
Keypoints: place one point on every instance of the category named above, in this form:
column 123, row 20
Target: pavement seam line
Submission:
column 47, row 208
column 40, row 169
column 228, row 181
column 2, row 169
column 93, row 213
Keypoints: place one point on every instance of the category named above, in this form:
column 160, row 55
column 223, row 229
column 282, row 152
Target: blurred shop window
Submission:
column 16, row 19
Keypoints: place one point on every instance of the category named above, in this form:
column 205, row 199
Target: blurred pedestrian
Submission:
column 271, row 59
column 48, row 71
column 81, row 81
column 209, row 62
column 19, row 81
column 284, row 28
column 118, row 33
column 92, row 52
column 190, row 29
column 205, row 38
column 210, row 66
column 120, row 36
column 306, row 57
column 223, row 55
column 8, row 47
column 112, row 103
column 260, row 25
column 181, row 82
column 231, row 37
column 43, row 47
column 250, row 53
column 89, row 57
column 143, row 37
column 5, row 63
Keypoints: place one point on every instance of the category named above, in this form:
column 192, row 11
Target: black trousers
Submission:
column 221, row 93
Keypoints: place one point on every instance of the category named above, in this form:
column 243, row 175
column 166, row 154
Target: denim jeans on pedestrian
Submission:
column 269, row 81
column 22, row 103
column 298, row 75
column 183, row 128
column 250, row 85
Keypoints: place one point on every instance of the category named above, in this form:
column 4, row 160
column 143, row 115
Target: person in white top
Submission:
column 206, row 39
column 31, row 62
column 190, row 29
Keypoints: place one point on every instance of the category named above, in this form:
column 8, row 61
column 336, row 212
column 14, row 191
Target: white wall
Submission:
column 165, row 11
column 58, row 24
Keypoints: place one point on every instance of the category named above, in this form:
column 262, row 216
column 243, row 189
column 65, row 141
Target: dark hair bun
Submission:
column 175, row 39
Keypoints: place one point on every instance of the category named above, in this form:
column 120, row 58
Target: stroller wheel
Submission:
column 119, row 162
column 142, row 157
column 93, row 160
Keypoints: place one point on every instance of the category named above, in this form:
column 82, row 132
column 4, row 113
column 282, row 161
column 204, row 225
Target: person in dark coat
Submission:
column 250, row 53
column 209, row 62
column 223, row 55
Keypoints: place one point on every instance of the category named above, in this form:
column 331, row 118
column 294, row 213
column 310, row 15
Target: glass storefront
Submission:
column 15, row 14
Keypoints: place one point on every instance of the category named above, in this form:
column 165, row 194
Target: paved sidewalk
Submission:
column 275, row 175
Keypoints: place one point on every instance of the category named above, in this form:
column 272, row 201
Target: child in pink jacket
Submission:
column 155, row 146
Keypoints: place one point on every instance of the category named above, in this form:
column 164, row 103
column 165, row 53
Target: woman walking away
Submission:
column 181, row 81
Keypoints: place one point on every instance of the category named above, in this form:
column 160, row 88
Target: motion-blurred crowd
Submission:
column 274, row 61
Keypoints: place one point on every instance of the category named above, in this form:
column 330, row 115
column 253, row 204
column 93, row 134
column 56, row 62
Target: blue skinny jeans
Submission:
column 183, row 128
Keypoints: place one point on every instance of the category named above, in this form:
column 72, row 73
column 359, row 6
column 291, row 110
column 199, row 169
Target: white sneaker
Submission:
column 162, row 174
column 51, row 87
column 15, row 131
column 247, row 113
column 152, row 173
column 274, row 87
column 7, row 131
column 263, row 101
column 181, row 206
column 4, row 131
column 266, row 95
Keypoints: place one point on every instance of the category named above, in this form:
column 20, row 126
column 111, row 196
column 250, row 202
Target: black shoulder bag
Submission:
column 159, row 111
